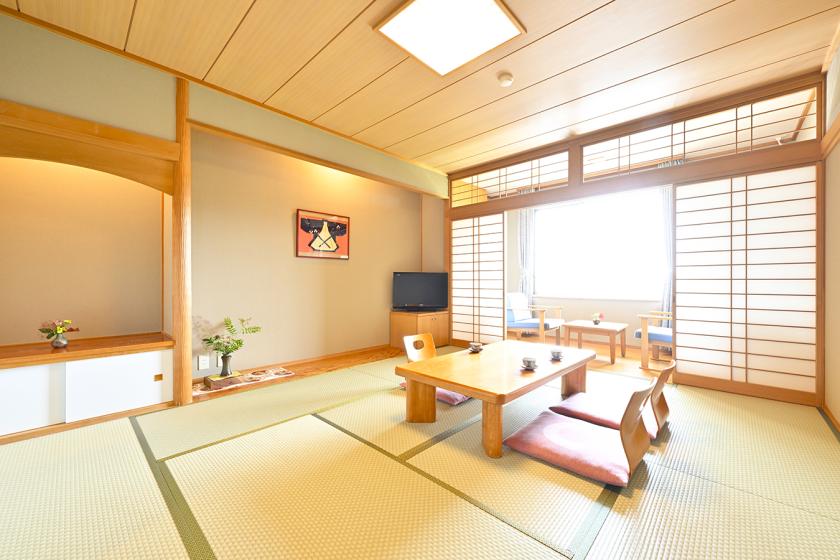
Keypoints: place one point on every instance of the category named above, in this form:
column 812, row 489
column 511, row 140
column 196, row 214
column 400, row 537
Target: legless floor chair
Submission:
column 422, row 347
column 590, row 450
column 607, row 409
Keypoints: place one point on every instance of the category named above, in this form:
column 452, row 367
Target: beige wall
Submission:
column 433, row 238
column 832, row 282
column 77, row 244
column 52, row 72
column 244, row 202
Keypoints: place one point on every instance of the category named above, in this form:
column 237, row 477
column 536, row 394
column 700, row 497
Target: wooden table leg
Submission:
column 623, row 343
column 612, row 347
column 568, row 336
column 419, row 402
column 491, row 429
column 580, row 339
column 574, row 382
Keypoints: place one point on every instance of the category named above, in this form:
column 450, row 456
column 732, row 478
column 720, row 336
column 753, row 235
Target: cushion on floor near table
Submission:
column 587, row 449
column 604, row 410
column 447, row 396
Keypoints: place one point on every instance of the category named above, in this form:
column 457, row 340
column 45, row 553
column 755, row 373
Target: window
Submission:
column 606, row 247
column 521, row 178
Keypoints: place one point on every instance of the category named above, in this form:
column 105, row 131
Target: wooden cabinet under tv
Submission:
column 404, row 323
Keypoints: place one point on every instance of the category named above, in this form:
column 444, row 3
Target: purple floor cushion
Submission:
column 447, row 396
column 604, row 410
column 587, row 449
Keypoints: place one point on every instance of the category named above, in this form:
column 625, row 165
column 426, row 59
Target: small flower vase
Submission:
column 226, row 365
column 59, row 341
column 596, row 321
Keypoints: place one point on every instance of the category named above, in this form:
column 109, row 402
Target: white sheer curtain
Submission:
column 526, row 252
column 668, row 235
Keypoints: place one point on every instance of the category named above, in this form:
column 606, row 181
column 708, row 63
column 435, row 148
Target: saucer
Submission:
column 476, row 351
column 560, row 359
column 523, row 368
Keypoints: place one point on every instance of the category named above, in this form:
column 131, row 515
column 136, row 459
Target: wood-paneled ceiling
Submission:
column 581, row 65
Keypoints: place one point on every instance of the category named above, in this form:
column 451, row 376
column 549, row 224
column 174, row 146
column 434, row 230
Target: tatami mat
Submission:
column 380, row 419
column 667, row 514
column 784, row 452
column 303, row 489
column 83, row 494
column 549, row 503
column 177, row 430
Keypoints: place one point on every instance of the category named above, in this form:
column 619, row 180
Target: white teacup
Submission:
column 529, row 363
column 475, row 346
column 556, row 354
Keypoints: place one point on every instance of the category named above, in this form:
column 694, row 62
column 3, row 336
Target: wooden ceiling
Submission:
column 580, row 66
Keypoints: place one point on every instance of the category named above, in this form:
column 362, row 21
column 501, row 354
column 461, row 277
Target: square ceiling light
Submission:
column 446, row 34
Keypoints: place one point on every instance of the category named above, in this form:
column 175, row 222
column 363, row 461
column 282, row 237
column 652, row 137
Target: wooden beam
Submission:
column 181, row 252
column 32, row 133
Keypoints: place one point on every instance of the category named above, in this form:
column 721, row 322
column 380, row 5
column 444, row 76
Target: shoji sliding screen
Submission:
column 478, row 278
column 746, row 282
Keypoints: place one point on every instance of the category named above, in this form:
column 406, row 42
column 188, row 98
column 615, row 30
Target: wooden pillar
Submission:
column 182, row 251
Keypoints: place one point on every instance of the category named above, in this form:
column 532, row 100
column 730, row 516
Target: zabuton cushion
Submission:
column 447, row 396
column 587, row 449
column 604, row 410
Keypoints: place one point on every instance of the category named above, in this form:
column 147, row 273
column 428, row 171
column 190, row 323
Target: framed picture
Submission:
column 322, row 236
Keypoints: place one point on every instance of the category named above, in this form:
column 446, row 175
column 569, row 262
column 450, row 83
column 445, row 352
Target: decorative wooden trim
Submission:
column 181, row 253
column 218, row 131
column 28, row 132
column 820, row 299
column 21, row 355
column 26, row 117
column 811, row 79
column 748, row 389
column 787, row 155
column 831, row 417
column 63, row 427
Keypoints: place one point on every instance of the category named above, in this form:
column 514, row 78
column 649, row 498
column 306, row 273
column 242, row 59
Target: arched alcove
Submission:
column 81, row 244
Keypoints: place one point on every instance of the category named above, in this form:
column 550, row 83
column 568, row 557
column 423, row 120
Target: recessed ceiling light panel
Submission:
column 446, row 34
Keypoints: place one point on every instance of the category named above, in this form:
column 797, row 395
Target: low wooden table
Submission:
column 581, row 326
column 494, row 376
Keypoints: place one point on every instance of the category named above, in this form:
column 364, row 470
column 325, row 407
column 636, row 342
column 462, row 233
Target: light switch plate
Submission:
column 204, row 361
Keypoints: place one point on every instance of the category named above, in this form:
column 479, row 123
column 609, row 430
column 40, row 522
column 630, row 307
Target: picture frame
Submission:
column 322, row 235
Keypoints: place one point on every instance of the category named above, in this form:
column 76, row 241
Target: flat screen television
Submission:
column 420, row 291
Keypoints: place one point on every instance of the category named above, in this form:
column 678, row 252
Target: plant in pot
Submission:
column 231, row 341
column 597, row 317
column 56, row 329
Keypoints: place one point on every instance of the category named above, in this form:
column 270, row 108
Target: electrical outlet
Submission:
column 218, row 360
column 203, row 361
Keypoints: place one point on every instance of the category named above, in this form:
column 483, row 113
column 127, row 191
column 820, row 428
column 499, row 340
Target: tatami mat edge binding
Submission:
column 191, row 534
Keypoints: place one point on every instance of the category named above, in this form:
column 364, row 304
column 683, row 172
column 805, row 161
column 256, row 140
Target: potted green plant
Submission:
column 56, row 329
column 231, row 341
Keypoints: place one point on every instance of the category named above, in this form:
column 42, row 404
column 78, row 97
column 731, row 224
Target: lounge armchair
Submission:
column 594, row 451
column 520, row 318
column 654, row 336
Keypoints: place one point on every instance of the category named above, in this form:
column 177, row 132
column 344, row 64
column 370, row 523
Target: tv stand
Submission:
column 404, row 323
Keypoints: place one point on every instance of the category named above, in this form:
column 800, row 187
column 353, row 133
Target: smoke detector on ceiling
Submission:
column 505, row 79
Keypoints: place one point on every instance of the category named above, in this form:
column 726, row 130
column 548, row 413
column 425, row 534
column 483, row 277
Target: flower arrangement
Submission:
column 55, row 330
column 597, row 317
column 231, row 341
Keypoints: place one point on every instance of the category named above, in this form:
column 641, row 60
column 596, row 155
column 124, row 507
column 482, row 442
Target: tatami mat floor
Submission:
column 324, row 467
